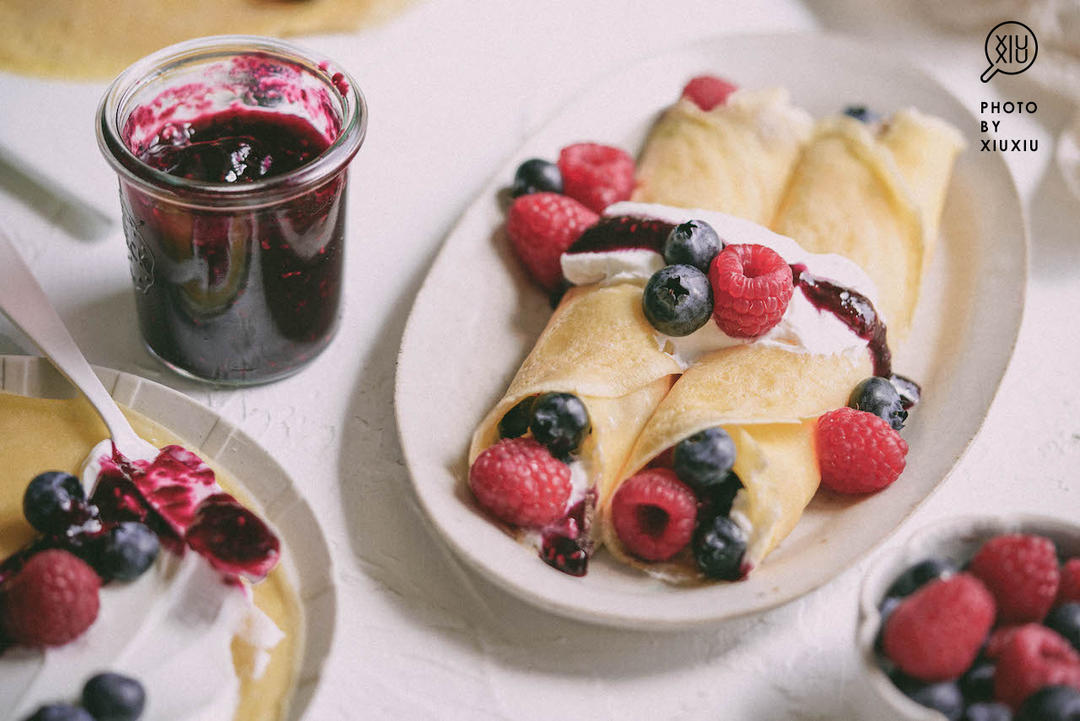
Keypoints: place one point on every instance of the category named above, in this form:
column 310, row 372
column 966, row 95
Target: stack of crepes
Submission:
column 871, row 194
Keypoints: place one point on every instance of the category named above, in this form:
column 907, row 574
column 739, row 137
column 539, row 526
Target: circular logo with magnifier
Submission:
column 1011, row 48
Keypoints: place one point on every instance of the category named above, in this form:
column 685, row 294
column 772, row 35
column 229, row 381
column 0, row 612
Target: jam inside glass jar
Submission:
column 232, row 154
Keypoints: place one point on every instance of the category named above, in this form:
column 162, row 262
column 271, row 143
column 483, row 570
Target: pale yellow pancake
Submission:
column 735, row 158
column 41, row 435
column 99, row 38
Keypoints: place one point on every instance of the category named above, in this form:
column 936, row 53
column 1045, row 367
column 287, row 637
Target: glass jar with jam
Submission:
column 232, row 154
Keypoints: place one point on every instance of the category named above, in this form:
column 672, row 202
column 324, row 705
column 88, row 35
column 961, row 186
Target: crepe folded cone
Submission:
column 735, row 158
column 598, row 346
column 768, row 400
column 874, row 194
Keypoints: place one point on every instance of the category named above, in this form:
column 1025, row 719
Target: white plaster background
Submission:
column 454, row 88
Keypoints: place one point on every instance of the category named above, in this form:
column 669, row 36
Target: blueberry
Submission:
column 719, row 546
column 977, row 683
column 920, row 574
column 703, row 460
column 692, row 243
column 1051, row 703
column 516, row 421
column 537, row 176
column 1065, row 619
column 54, row 501
column 861, row 113
column 878, row 396
column 678, row 300
column 123, row 553
column 559, row 421
column 716, row 500
column 944, row 697
column 909, row 390
column 61, row 712
column 987, row 711
column 112, row 697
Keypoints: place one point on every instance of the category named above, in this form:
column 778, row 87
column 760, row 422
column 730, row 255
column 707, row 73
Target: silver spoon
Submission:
column 24, row 302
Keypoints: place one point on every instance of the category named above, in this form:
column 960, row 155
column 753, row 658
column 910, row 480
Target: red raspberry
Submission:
column 708, row 91
column 1022, row 573
column 653, row 514
column 858, row 452
column 1032, row 657
column 542, row 226
column 1069, row 589
column 597, row 175
column 520, row 482
column 935, row 633
column 51, row 601
column 752, row 286
column 996, row 643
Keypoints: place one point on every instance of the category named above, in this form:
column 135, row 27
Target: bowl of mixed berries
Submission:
column 975, row 619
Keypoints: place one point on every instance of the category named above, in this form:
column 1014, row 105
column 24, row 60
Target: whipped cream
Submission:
column 172, row 629
column 803, row 329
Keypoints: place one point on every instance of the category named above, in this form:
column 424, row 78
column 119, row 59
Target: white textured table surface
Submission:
column 453, row 89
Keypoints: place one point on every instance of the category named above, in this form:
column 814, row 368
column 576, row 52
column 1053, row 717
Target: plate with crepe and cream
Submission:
column 752, row 282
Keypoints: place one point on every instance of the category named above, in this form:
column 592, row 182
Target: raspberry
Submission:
column 51, row 601
column 752, row 286
column 596, row 175
column 542, row 226
column 1069, row 589
column 653, row 514
column 935, row 634
column 1022, row 573
column 708, row 91
column 1032, row 657
column 518, row 481
column 858, row 452
column 996, row 643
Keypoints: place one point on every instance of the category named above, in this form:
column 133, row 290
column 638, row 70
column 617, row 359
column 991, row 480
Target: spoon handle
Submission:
column 24, row 302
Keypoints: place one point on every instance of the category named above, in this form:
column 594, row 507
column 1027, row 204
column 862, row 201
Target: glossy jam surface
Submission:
column 237, row 296
column 567, row 544
column 623, row 232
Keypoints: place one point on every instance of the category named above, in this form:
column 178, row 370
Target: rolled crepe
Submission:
column 768, row 400
column 598, row 346
column 874, row 195
column 735, row 158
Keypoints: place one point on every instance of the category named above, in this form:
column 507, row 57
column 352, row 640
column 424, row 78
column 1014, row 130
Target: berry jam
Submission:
column 623, row 232
column 566, row 544
column 228, row 295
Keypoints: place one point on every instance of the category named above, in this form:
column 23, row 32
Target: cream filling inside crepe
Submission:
column 803, row 329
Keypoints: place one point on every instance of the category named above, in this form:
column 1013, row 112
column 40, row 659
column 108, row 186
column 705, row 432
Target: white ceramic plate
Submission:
column 476, row 317
column 307, row 555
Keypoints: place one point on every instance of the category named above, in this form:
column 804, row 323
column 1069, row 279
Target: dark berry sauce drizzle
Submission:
column 567, row 543
column 623, row 232
column 858, row 314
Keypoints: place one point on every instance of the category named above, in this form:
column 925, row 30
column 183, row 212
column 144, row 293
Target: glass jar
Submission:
column 232, row 155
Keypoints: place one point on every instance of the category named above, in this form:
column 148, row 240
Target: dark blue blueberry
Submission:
column 719, row 546
column 516, row 421
column 717, row 499
column 987, row 711
column 112, row 697
column 54, row 501
column 559, row 421
column 861, row 113
column 944, row 697
column 692, row 243
column 878, row 396
column 678, row 300
column 704, row 460
column 920, row 574
column 1065, row 619
column 1051, row 703
column 61, row 712
column 977, row 683
column 124, row 552
column 537, row 176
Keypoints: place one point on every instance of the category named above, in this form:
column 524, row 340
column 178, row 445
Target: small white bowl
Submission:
column 956, row 538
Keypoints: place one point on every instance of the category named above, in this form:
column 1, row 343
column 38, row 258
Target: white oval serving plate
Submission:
column 307, row 555
column 476, row 317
